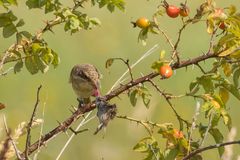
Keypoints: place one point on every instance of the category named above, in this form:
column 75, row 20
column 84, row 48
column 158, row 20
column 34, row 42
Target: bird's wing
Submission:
column 93, row 75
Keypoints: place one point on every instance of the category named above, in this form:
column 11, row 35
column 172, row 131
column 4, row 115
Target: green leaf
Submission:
column 109, row 63
column 215, row 120
column 226, row 118
column 20, row 23
column 18, row 37
column 41, row 65
column 111, row 7
column 35, row 3
column 236, row 76
column 232, row 89
column 143, row 35
column 143, row 144
column 49, row 7
column 165, row 127
column 26, row 34
column 133, row 97
column 56, row 59
column 229, row 51
column 194, row 87
column 13, row 2
column 31, row 65
column 9, row 30
column 218, row 137
column 206, row 82
column 95, row 21
column 146, row 100
column 170, row 154
column 156, row 65
column 18, row 66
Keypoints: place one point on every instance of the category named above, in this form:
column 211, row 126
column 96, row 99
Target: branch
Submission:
column 195, row 152
column 28, row 141
column 80, row 111
column 167, row 98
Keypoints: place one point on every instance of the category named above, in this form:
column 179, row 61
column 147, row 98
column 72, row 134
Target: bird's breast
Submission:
column 82, row 88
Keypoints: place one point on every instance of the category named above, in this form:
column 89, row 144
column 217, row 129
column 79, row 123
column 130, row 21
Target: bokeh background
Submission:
column 115, row 38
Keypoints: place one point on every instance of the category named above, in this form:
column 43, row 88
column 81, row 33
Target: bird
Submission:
column 105, row 113
column 85, row 80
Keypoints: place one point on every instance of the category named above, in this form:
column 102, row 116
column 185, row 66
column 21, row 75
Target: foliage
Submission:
column 212, row 88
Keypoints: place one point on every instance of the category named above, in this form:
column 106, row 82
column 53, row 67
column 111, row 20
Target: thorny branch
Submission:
column 127, row 63
column 28, row 141
column 200, row 150
column 69, row 121
column 167, row 97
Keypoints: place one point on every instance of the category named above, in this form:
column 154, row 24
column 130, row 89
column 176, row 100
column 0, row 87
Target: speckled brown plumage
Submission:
column 85, row 80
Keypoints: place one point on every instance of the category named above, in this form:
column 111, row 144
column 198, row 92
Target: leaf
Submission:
column 2, row 106
column 133, row 97
column 194, row 87
column 109, row 62
column 41, row 65
column 206, row 82
column 18, row 66
column 26, row 34
column 143, row 35
column 56, row 59
column 111, row 7
column 232, row 89
column 215, row 120
column 218, row 137
column 236, row 76
column 143, row 144
column 156, row 65
column 146, row 99
column 224, row 94
column 232, row 9
column 170, row 154
column 19, row 38
column 226, row 118
column 31, row 65
column 95, row 21
column 229, row 51
column 35, row 3
column 20, row 23
column 227, row 69
column 9, row 30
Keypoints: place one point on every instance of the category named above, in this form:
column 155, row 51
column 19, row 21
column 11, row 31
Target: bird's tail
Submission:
column 100, row 126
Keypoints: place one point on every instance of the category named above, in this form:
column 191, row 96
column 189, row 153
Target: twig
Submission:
column 166, row 36
column 41, row 129
column 143, row 123
column 153, row 124
column 114, row 93
column 211, row 40
column 195, row 152
column 146, row 54
column 194, row 119
column 127, row 63
column 175, row 52
column 11, row 139
column 84, row 121
column 207, row 130
column 200, row 67
column 28, row 141
column 180, row 119
column 6, row 71
column 77, row 132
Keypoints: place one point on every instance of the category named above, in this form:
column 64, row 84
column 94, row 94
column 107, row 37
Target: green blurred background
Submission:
column 115, row 38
